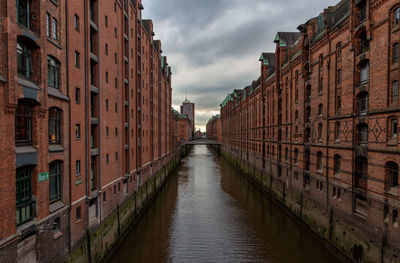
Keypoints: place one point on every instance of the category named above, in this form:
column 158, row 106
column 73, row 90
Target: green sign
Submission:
column 43, row 177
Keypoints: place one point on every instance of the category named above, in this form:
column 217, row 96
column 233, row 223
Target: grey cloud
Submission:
column 192, row 18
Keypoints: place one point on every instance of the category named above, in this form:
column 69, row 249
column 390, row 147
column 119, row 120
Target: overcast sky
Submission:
column 213, row 46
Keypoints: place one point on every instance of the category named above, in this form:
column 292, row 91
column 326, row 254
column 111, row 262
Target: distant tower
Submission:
column 187, row 108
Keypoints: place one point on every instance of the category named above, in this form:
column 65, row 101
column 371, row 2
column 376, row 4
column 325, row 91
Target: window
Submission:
column 55, row 181
column 48, row 24
column 339, row 51
column 53, row 72
column 307, row 160
column 116, row 132
column 296, row 115
column 363, row 43
column 338, row 104
column 77, row 59
column 363, row 102
column 25, row 204
column 396, row 17
column 116, row 107
column 362, row 11
column 115, row 32
column 319, row 161
column 320, row 110
column 24, row 60
column 106, row 49
column 107, row 131
column 104, row 196
column 54, row 34
column 76, row 23
column 106, row 77
column 339, row 76
column 78, row 131
column 337, row 164
column 24, row 13
column 116, row 156
column 395, row 92
column 361, row 172
column 23, row 125
column 78, row 213
column 364, row 73
column 107, row 158
column 107, row 106
column 106, row 21
column 362, row 133
column 337, row 131
column 321, row 85
column 78, row 168
column 54, row 126
column 77, row 95
column 320, row 129
column 396, row 53
column 392, row 175
column 393, row 129
column 116, row 83
column 296, row 156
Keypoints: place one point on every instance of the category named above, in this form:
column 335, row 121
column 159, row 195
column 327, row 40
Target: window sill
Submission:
column 393, row 191
column 55, row 148
column 392, row 142
column 54, row 42
column 57, row 235
column 56, row 206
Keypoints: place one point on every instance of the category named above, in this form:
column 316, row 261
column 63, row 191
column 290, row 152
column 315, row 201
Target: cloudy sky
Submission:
column 213, row 46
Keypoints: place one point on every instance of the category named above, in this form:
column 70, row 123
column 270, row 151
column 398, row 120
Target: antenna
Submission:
column 186, row 93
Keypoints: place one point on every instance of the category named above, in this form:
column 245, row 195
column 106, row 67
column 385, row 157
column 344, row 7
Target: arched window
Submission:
column 54, row 126
column 392, row 175
column 53, row 72
column 55, row 181
column 362, row 133
column 319, row 161
column 24, row 60
column 361, row 172
column 363, row 102
column 396, row 16
column 23, row 124
column 337, row 164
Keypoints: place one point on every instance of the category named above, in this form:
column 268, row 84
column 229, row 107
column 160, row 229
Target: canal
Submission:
column 209, row 213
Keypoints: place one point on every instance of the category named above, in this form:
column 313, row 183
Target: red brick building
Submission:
column 319, row 128
column 213, row 128
column 85, row 119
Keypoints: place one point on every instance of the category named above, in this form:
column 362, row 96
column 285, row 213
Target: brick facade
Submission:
column 320, row 125
column 86, row 119
column 213, row 128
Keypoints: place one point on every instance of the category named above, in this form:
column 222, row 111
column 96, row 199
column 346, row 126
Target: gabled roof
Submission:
column 146, row 25
column 335, row 14
column 287, row 38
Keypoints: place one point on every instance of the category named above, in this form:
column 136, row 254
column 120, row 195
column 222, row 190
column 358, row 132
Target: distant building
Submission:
column 198, row 134
column 182, row 128
column 213, row 129
column 187, row 108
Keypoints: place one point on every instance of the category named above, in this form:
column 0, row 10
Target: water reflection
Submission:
column 209, row 213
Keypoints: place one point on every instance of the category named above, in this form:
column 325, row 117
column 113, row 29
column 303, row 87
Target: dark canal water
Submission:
column 209, row 213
